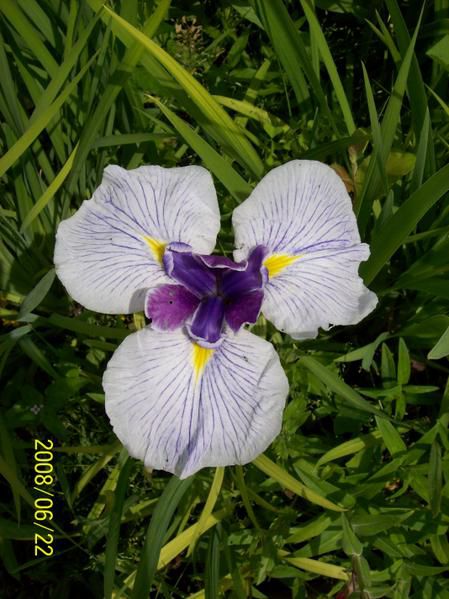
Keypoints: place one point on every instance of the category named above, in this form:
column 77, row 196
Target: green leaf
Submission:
column 37, row 294
column 241, row 485
column 415, row 85
column 28, row 34
column 288, row 46
column 292, row 53
column 440, row 52
column 231, row 134
column 317, row 33
column 120, row 76
column 214, row 493
column 50, row 192
column 391, row 437
column 82, row 327
column 95, row 468
column 34, row 352
column 350, row 447
column 338, row 386
column 351, row 544
column 404, row 366
column 212, row 567
column 365, row 353
column 311, row 530
column 435, row 478
column 402, row 223
column 7, row 452
column 289, row 482
column 13, row 530
column 22, row 144
column 317, row 567
column 441, row 348
column 17, row 486
column 373, row 183
column 214, row 161
column 163, row 513
column 114, row 528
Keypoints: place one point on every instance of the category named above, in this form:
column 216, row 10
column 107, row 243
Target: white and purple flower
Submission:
column 195, row 389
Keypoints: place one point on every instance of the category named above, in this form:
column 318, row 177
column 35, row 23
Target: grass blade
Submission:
column 174, row 547
column 14, row 153
column 292, row 53
column 121, row 75
column 37, row 294
column 289, row 482
column 212, row 566
column 214, row 113
column 317, row 33
column 316, row 567
column 214, row 492
column 114, row 528
column 373, row 183
column 338, row 386
column 50, row 192
column 435, row 479
column 20, row 22
column 416, row 89
column 214, row 161
column 441, row 348
column 403, row 222
column 166, row 506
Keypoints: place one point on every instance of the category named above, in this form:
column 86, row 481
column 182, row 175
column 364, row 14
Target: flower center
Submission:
column 210, row 293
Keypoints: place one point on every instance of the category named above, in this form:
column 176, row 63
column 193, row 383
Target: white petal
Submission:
column 106, row 254
column 319, row 290
column 302, row 213
column 180, row 408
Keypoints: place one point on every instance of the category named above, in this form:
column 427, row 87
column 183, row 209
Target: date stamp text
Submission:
column 43, row 503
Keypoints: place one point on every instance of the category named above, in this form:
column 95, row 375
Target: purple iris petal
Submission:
column 208, row 320
column 240, row 282
column 211, row 289
column 221, row 262
column 243, row 309
column 190, row 271
column 179, row 246
column 169, row 306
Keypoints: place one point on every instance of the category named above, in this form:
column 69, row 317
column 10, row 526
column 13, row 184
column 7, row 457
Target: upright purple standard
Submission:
column 195, row 389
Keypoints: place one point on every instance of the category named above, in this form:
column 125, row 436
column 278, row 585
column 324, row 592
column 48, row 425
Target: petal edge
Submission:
column 179, row 422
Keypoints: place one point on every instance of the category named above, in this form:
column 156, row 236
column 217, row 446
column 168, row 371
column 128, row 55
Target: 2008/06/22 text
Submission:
column 43, row 504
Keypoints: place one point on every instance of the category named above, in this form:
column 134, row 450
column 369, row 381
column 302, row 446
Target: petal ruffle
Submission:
column 319, row 291
column 180, row 408
column 109, row 253
column 301, row 213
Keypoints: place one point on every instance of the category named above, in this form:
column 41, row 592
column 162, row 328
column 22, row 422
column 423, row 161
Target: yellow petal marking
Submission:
column 276, row 263
column 157, row 247
column 200, row 357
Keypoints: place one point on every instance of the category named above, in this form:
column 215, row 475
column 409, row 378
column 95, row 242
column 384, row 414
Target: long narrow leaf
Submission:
column 40, row 123
column 214, row 161
column 208, row 506
column 373, row 184
column 289, row 482
column 232, row 135
column 114, row 529
column 317, row 33
column 403, row 222
column 167, row 504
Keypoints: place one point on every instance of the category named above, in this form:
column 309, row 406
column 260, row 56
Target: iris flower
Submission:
column 194, row 388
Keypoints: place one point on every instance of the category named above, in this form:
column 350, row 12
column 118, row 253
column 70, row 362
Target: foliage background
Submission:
column 239, row 86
